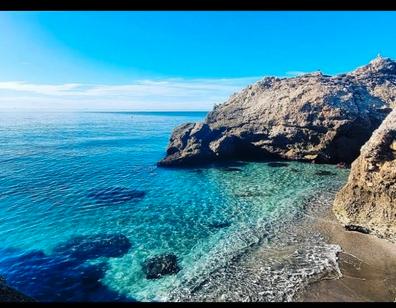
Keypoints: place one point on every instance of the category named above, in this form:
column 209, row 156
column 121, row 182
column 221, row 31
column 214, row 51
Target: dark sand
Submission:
column 367, row 264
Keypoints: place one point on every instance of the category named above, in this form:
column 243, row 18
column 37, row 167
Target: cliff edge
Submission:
column 368, row 200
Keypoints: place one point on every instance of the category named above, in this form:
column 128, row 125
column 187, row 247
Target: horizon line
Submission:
column 101, row 111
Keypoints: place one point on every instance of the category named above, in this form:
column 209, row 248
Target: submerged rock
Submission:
column 55, row 277
column 246, row 194
column 369, row 198
column 219, row 225
column 277, row 165
column 94, row 246
column 114, row 195
column 161, row 265
column 313, row 117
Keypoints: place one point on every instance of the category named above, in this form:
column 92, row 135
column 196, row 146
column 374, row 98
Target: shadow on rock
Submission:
column 357, row 228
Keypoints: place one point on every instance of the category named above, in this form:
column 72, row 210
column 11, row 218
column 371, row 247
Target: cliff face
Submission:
column 313, row 117
column 369, row 198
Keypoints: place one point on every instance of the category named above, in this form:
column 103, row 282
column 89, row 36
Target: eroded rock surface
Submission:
column 368, row 200
column 313, row 117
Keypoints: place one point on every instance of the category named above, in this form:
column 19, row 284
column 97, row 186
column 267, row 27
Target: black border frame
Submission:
column 195, row 5
column 200, row 5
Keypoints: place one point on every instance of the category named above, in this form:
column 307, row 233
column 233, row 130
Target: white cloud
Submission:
column 166, row 94
column 44, row 89
column 295, row 73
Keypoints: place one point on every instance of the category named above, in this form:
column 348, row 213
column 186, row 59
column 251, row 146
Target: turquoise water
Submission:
column 87, row 174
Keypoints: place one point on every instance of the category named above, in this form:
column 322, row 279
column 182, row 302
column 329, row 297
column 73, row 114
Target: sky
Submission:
column 131, row 61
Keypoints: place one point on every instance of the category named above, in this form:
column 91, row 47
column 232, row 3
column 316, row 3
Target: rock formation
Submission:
column 368, row 200
column 313, row 117
column 8, row 294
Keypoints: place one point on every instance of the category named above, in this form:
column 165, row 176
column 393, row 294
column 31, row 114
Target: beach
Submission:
column 367, row 264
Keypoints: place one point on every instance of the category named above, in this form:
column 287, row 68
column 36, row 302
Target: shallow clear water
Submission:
column 84, row 174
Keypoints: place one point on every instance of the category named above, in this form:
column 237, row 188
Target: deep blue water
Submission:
column 74, row 186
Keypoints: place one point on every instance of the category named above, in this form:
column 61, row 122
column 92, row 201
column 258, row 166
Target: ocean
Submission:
column 83, row 206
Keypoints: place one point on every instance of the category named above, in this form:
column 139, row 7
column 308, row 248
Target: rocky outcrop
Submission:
column 368, row 200
column 8, row 294
column 313, row 117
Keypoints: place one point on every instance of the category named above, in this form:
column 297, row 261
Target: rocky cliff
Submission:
column 368, row 200
column 313, row 117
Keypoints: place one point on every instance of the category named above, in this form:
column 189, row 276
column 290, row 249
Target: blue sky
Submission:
column 173, row 60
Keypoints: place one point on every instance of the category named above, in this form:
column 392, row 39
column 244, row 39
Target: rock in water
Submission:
column 313, row 117
column 369, row 198
column 219, row 225
column 8, row 294
column 94, row 246
column 115, row 195
column 160, row 265
column 277, row 165
column 53, row 278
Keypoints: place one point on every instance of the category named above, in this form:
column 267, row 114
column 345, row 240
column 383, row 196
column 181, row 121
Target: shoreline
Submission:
column 278, row 267
column 367, row 264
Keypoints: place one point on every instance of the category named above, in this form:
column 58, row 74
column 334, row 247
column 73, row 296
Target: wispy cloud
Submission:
column 295, row 73
column 44, row 89
column 163, row 94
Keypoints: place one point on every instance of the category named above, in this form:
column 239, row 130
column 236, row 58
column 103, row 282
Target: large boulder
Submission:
column 313, row 117
column 368, row 200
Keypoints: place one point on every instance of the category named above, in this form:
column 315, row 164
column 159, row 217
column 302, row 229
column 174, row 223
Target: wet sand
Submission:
column 367, row 264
